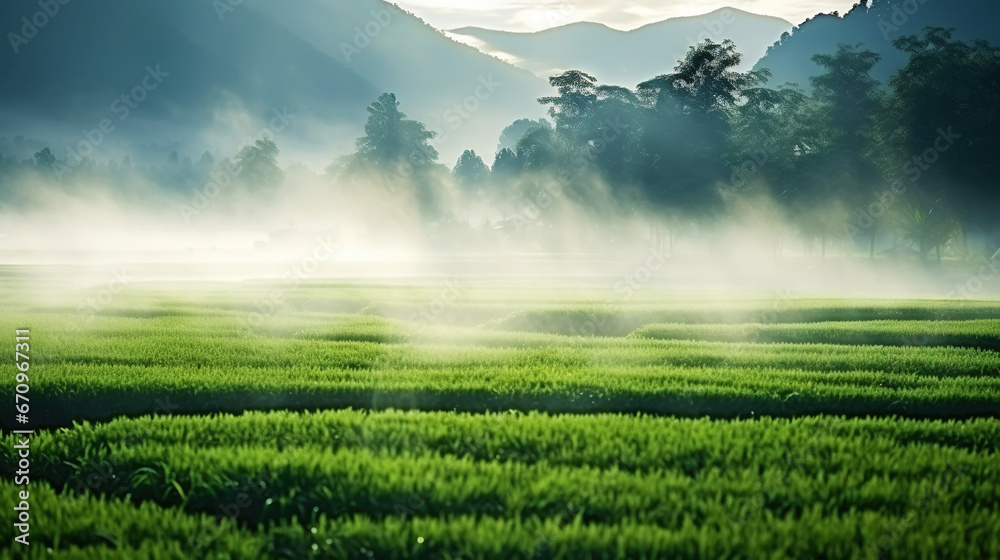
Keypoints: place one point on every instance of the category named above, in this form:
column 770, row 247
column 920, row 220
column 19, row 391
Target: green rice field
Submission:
column 479, row 419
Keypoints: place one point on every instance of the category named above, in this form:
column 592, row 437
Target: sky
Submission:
column 535, row 15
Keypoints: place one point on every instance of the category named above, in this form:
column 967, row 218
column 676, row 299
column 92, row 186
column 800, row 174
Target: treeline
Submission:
column 907, row 165
column 909, row 162
column 254, row 167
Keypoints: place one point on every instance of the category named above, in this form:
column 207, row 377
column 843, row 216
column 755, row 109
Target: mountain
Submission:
column 626, row 58
column 877, row 26
column 222, row 70
column 211, row 77
column 461, row 93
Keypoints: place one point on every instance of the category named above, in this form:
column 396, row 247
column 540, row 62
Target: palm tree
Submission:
column 924, row 224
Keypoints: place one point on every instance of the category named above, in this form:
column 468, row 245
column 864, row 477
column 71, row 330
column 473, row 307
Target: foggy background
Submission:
column 235, row 139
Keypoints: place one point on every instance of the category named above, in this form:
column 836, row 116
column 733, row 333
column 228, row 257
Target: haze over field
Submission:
column 560, row 279
column 247, row 133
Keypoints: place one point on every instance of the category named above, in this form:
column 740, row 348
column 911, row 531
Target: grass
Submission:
column 654, row 473
column 373, row 421
column 65, row 525
column 69, row 526
column 198, row 365
column 654, row 476
column 982, row 334
column 103, row 391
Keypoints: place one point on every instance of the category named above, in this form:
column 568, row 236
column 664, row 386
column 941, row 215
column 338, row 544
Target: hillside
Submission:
column 790, row 58
column 215, row 80
column 466, row 96
column 224, row 72
column 626, row 57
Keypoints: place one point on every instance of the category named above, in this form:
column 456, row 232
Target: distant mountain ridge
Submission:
column 626, row 57
column 228, row 69
column 437, row 80
column 789, row 59
column 75, row 70
column 225, row 73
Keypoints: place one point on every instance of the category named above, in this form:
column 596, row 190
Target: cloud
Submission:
column 517, row 15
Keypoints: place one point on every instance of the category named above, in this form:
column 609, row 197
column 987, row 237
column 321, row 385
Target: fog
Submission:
column 370, row 228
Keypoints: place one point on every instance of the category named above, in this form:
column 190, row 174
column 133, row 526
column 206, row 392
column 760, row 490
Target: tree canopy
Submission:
column 257, row 164
column 391, row 138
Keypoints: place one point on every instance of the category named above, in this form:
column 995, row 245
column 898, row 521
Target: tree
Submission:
column 539, row 149
column 687, row 131
column 257, row 164
column 707, row 82
column 505, row 165
column 593, row 139
column 44, row 159
column 395, row 153
column 773, row 135
column 514, row 131
column 572, row 106
column 615, row 120
column 942, row 125
column 923, row 223
column 470, row 171
column 848, row 104
column 849, row 91
column 390, row 138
